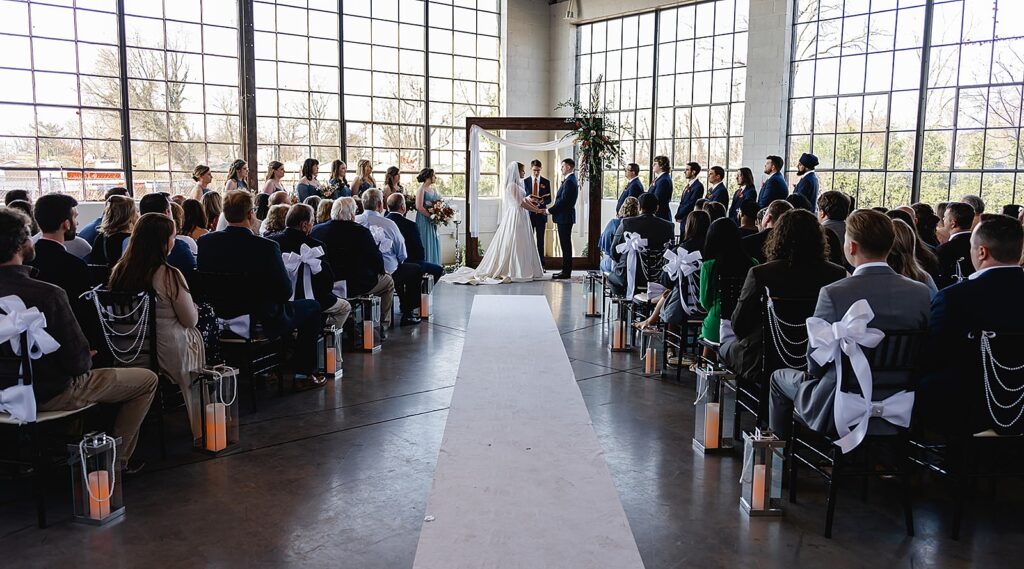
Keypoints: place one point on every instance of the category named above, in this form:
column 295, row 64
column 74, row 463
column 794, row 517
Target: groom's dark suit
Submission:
column 563, row 213
column 539, row 220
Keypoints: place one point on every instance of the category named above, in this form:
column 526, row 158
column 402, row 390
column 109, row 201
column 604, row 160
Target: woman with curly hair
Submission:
column 797, row 267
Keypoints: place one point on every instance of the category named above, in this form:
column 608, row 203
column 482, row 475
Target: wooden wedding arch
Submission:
column 593, row 258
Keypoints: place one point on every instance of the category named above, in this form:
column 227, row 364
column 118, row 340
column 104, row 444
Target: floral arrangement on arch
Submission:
column 596, row 135
column 441, row 213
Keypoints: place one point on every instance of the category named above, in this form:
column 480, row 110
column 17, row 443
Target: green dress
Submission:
column 709, row 299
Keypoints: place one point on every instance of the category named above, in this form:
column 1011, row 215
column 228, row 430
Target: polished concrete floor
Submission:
column 339, row 477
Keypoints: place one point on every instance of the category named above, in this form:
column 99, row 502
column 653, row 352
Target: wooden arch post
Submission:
column 593, row 258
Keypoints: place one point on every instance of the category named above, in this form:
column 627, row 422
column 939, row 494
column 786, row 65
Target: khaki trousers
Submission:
column 385, row 289
column 338, row 314
column 133, row 388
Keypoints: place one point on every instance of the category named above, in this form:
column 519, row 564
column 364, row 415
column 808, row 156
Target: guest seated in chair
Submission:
column 119, row 217
column 797, row 268
column 955, row 254
column 299, row 223
column 235, row 250
column 987, row 300
column 63, row 380
column 144, row 267
column 406, row 276
column 91, row 229
column 181, row 256
column 411, row 233
column 754, row 245
column 897, row 302
column 695, row 234
column 630, row 208
column 723, row 258
column 655, row 230
column 354, row 256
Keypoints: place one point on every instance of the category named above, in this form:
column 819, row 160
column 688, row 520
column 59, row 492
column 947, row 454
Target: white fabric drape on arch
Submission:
column 475, row 132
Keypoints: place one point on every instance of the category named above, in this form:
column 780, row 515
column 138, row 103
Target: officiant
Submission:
column 539, row 188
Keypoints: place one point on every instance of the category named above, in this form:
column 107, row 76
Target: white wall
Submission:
column 766, row 113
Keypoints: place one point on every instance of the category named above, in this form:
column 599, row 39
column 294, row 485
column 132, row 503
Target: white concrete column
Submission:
column 766, row 112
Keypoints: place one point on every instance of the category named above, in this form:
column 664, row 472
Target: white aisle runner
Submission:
column 521, row 480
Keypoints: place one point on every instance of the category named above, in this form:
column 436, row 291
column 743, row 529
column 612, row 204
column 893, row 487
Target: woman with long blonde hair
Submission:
column 903, row 258
column 119, row 218
column 272, row 183
column 364, row 178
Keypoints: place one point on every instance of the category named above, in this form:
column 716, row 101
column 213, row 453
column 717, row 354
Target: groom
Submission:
column 563, row 213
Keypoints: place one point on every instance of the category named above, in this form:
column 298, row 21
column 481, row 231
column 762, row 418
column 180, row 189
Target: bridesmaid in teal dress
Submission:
column 425, row 197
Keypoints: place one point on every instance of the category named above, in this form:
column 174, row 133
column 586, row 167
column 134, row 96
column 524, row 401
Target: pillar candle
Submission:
column 216, row 427
column 757, row 490
column 332, row 360
column 367, row 334
column 711, row 425
column 617, row 335
column 99, row 494
column 651, row 364
column 424, row 305
column 591, row 303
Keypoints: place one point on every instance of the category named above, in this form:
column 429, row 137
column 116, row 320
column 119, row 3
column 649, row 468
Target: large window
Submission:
column 298, row 101
column 856, row 87
column 463, row 53
column 60, row 124
column 332, row 79
column 182, row 90
column 616, row 72
column 683, row 96
column 385, row 84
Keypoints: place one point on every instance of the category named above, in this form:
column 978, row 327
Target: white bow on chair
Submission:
column 632, row 246
column 681, row 266
column 239, row 325
column 308, row 256
column 19, row 400
column 827, row 342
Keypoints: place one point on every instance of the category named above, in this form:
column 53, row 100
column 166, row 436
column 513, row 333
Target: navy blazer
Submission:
column 411, row 234
column 633, row 190
column 743, row 194
column 808, row 188
column 952, row 254
column 719, row 194
column 353, row 254
column 774, row 188
column 688, row 201
column 89, row 232
column 662, row 189
column 953, row 373
column 545, row 191
column 563, row 211
column 235, row 250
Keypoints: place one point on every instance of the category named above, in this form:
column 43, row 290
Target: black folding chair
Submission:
column 894, row 365
column 254, row 356
column 29, row 435
column 963, row 456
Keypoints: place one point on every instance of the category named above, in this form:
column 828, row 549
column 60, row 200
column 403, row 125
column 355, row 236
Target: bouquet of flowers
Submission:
column 596, row 134
column 441, row 213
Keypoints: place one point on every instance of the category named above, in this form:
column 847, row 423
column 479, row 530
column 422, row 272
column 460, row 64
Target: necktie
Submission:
column 536, row 186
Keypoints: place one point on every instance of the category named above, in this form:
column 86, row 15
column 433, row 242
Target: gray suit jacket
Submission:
column 898, row 303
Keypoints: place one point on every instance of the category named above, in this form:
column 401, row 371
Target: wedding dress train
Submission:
column 512, row 255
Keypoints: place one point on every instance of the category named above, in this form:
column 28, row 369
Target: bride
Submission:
column 512, row 255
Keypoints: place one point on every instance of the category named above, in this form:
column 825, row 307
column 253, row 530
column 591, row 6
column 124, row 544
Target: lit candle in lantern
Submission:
column 216, row 427
column 367, row 334
column 757, row 489
column 617, row 335
column 711, row 425
column 591, row 303
column 332, row 360
column 651, row 364
column 99, row 494
column 424, row 305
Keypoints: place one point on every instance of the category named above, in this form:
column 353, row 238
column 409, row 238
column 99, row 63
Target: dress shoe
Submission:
column 561, row 276
column 409, row 320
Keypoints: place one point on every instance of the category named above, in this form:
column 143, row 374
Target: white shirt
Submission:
column 861, row 268
column 78, row 247
column 977, row 274
column 959, row 233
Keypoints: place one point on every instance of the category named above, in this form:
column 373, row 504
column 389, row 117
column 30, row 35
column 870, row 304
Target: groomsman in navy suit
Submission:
column 540, row 188
column 716, row 181
column 808, row 184
column 774, row 188
column 693, row 192
column 661, row 187
column 633, row 185
column 563, row 213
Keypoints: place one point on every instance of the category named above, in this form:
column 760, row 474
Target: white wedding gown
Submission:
column 512, row 255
